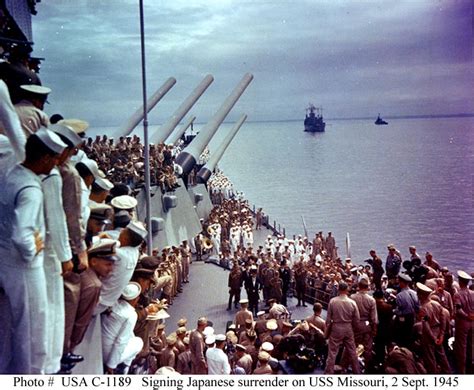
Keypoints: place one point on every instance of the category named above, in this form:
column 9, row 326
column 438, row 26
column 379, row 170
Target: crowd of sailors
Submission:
column 123, row 161
column 73, row 264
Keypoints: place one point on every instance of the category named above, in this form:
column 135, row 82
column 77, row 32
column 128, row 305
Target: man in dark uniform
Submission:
column 384, row 327
column 300, row 283
column 234, row 284
column 253, row 287
column 377, row 269
column 285, row 276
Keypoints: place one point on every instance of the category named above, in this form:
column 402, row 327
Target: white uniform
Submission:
column 31, row 118
column 56, row 251
column 12, row 138
column 85, row 209
column 217, row 362
column 216, row 238
column 113, row 285
column 119, row 344
column 22, row 273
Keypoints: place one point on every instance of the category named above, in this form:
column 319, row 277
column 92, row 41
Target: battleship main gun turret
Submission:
column 189, row 156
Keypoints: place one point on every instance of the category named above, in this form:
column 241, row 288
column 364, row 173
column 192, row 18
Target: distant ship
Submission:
column 380, row 121
column 314, row 122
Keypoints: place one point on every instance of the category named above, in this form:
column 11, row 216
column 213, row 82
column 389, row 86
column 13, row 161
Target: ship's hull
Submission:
column 315, row 128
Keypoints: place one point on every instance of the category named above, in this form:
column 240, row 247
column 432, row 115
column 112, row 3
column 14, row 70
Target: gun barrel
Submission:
column 135, row 119
column 188, row 157
column 206, row 171
column 167, row 128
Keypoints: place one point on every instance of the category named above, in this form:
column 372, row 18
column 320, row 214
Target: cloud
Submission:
column 406, row 56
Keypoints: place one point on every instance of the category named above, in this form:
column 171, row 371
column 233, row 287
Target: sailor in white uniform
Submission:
column 119, row 344
column 215, row 235
column 128, row 252
column 12, row 138
column 57, row 251
column 22, row 275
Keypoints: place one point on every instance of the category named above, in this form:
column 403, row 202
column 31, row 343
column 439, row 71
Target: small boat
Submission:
column 313, row 121
column 380, row 121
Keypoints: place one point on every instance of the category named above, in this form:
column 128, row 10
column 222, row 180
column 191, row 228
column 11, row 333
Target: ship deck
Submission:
column 206, row 294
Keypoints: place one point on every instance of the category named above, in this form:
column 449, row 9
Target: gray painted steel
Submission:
column 180, row 223
column 204, row 207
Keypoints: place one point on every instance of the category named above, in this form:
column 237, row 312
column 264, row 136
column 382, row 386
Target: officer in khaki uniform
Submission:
column 342, row 315
column 243, row 315
column 432, row 331
column 366, row 328
column 196, row 345
column 464, row 324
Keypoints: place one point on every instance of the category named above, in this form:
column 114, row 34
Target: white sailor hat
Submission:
column 103, row 183
column 131, row 291
column 211, row 339
column 38, row 89
column 51, row 140
column 208, row 330
column 267, row 346
column 423, row 288
column 220, row 337
column 68, row 133
column 464, row 275
column 138, row 228
column 166, row 370
column 261, row 313
column 404, row 277
column 78, row 125
column 243, row 301
column 124, row 202
column 354, row 269
column 240, row 347
column 162, row 315
column 91, row 166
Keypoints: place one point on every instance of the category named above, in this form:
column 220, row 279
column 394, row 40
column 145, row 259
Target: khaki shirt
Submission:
column 342, row 309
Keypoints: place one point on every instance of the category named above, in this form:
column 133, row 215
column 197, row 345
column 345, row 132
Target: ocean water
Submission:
column 408, row 183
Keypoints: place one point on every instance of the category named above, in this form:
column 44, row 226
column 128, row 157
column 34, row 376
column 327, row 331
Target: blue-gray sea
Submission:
column 408, row 183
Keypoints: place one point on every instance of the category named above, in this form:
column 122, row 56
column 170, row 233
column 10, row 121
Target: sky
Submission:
column 353, row 58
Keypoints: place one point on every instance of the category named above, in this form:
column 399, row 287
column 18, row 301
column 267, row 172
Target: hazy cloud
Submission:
column 352, row 57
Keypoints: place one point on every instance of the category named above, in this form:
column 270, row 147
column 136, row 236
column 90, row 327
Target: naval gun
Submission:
column 178, row 133
column 167, row 128
column 206, row 171
column 189, row 156
column 135, row 119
